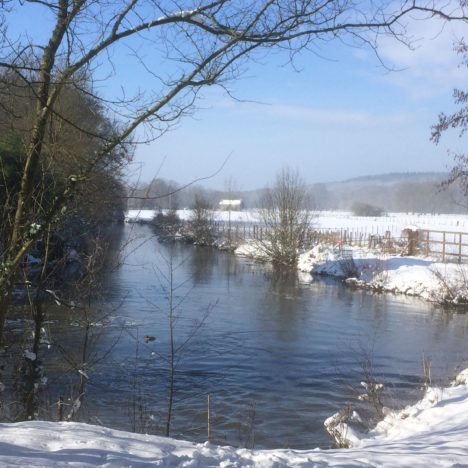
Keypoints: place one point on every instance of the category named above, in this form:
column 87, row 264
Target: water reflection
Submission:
column 282, row 303
column 202, row 262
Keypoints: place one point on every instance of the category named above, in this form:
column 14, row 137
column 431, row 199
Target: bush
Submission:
column 286, row 218
column 365, row 209
column 166, row 224
column 201, row 222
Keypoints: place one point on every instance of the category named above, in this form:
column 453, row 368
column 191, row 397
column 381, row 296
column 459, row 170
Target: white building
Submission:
column 234, row 205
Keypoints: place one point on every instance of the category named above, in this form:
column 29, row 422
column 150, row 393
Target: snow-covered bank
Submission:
column 428, row 278
column 431, row 433
column 252, row 249
column 436, row 414
column 442, row 283
column 423, row 277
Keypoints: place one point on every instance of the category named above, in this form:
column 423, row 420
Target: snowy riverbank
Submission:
column 429, row 433
column 445, row 283
column 366, row 268
column 442, row 283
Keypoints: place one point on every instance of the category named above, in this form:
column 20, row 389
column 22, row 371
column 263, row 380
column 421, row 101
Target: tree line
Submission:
column 416, row 193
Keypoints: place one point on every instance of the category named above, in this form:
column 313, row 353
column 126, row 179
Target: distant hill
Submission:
column 416, row 192
column 399, row 191
column 398, row 177
column 408, row 192
column 381, row 189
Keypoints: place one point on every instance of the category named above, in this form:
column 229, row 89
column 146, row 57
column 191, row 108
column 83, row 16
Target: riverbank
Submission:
column 430, row 433
column 425, row 277
column 372, row 268
column 432, row 280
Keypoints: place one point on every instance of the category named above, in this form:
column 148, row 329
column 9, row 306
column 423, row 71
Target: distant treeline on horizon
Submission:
column 394, row 192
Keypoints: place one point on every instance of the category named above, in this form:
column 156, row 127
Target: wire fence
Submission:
column 444, row 245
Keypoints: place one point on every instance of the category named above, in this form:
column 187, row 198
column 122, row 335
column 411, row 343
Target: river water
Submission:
column 277, row 353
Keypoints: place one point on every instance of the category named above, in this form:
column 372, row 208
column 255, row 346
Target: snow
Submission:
column 437, row 413
column 336, row 220
column 391, row 222
column 433, row 432
column 252, row 249
column 424, row 277
column 139, row 215
column 430, row 433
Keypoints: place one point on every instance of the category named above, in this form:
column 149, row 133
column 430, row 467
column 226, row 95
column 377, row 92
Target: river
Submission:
column 277, row 353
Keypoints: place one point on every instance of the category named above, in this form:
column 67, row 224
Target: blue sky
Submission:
column 336, row 118
column 341, row 115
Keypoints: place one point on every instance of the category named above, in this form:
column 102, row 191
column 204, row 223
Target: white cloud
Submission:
column 431, row 66
column 347, row 117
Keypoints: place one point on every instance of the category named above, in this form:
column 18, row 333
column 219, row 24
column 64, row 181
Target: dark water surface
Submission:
column 277, row 353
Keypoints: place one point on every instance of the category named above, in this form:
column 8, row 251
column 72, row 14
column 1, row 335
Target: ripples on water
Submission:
column 277, row 353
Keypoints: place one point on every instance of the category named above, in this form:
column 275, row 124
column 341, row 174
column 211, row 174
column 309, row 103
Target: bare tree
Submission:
column 159, row 194
column 457, row 120
column 201, row 222
column 176, row 293
column 230, row 188
column 193, row 43
column 286, row 217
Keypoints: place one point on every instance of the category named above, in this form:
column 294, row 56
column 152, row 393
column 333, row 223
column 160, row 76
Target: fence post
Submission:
column 443, row 246
column 459, row 247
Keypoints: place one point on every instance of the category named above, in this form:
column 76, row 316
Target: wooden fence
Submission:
column 446, row 245
column 449, row 245
column 336, row 237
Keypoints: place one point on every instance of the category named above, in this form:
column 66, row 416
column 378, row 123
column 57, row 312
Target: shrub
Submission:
column 365, row 209
column 166, row 224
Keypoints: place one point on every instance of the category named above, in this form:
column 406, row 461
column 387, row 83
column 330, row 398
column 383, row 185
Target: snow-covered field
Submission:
column 431, row 433
column 393, row 222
